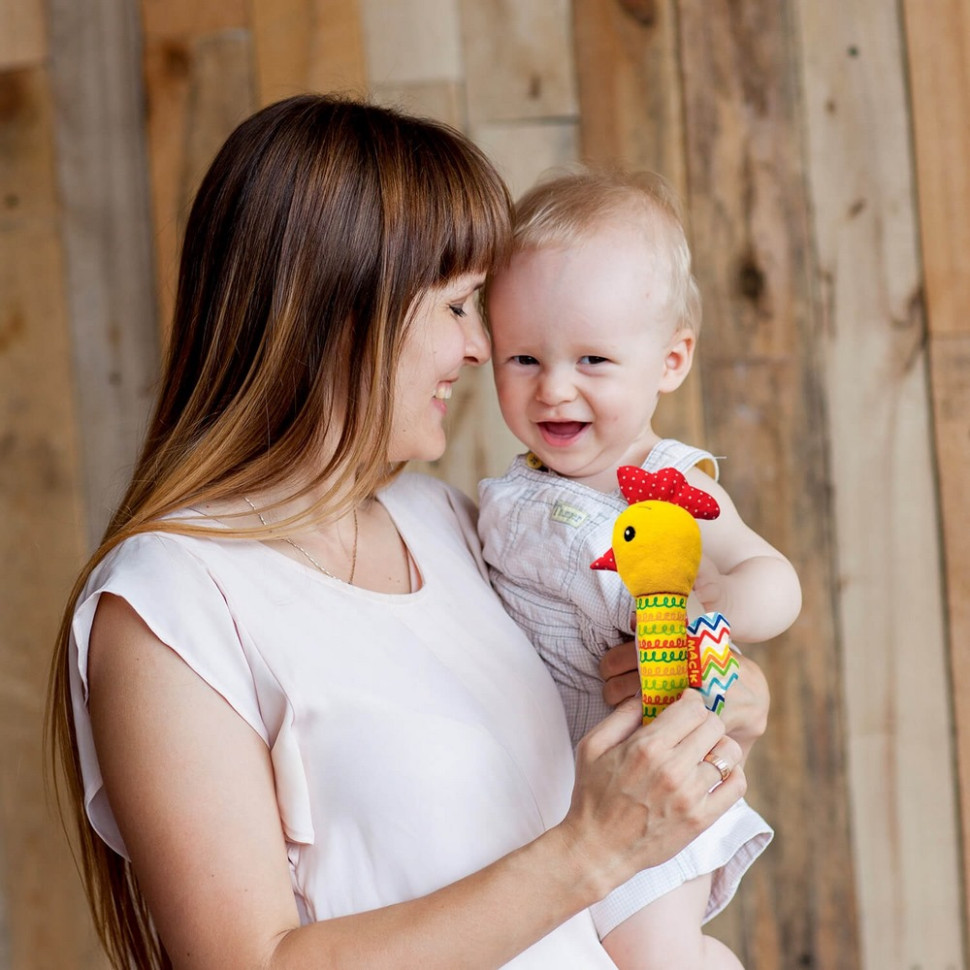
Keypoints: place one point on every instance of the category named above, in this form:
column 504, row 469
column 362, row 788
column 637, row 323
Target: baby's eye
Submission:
column 458, row 309
column 524, row 360
column 593, row 359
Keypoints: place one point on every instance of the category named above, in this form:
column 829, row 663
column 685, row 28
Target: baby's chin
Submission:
column 600, row 476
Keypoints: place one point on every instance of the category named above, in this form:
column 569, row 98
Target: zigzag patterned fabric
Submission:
column 709, row 637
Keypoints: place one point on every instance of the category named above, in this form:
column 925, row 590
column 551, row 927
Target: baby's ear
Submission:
column 680, row 355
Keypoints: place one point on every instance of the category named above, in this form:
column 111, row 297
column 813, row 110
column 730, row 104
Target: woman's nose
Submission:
column 477, row 346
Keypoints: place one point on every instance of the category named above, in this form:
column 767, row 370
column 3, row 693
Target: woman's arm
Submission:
column 745, row 712
column 191, row 786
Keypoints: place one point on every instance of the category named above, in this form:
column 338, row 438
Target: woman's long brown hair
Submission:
column 316, row 228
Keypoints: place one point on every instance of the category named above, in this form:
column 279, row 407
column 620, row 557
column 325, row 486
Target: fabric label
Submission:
column 568, row 515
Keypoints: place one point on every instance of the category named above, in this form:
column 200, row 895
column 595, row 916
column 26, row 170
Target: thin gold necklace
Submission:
column 299, row 548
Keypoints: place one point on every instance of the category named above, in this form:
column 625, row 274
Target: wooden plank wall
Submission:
column 41, row 533
column 938, row 48
column 823, row 152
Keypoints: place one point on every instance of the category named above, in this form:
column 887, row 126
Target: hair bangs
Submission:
column 468, row 227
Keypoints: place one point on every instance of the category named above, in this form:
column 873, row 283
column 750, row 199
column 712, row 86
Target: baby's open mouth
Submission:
column 561, row 432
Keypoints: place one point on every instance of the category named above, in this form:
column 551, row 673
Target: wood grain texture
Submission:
column 101, row 161
column 181, row 18
column 937, row 50
column 899, row 729
column 198, row 88
column 525, row 151
column 443, row 100
column 22, row 35
column 630, row 92
column 938, row 46
column 765, row 409
column 519, row 60
column 307, row 45
column 786, row 126
column 41, row 530
column 631, row 116
column 411, row 41
column 950, row 371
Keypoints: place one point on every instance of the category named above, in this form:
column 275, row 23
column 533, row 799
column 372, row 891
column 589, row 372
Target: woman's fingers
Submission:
column 644, row 792
column 687, row 721
column 724, row 757
column 613, row 729
column 745, row 712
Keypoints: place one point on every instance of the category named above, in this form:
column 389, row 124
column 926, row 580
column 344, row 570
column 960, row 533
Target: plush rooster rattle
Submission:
column 657, row 551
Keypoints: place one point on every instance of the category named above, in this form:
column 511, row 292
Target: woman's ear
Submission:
column 679, row 357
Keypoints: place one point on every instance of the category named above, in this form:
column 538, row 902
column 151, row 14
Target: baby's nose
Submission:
column 555, row 387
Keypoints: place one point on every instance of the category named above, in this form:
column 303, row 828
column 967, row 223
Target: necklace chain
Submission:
column 310, row 559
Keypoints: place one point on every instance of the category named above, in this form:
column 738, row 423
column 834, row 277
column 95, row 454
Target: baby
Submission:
column 596, row 316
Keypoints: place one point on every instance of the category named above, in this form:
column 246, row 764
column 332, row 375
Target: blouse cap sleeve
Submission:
column 181, row 603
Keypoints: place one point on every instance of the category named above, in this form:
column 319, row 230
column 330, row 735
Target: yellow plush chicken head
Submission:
column 656, row 541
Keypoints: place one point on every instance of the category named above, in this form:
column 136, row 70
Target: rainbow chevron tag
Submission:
column 709, row 637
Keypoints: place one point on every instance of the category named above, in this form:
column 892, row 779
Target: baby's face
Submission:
column 583, row 344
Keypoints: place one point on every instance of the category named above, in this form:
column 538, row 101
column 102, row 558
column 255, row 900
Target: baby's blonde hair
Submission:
column 566, row 207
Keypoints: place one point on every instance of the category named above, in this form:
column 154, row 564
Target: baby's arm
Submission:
column 742, row 575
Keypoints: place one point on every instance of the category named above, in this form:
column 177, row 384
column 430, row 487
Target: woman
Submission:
column 297, row 727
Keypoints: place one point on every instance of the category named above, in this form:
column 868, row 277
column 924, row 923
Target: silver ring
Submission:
column 724, row 769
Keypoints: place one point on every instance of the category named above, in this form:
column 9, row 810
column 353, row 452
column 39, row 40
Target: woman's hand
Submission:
column 643, row 793
column 745, row 711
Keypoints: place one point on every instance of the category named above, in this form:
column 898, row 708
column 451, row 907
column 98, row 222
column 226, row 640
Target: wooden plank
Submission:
column 630, row 94
column 899, row 729
column 41, row 533
column 308, row 45
column 198, row 88
column 411, row 41
column 180, row 18
column 101, row 163
column 950, row 375
column 937, row 50
column 762, row 380
column 519, row 60
column 443, row 100
column 22, row 37
column 939, row 72
column 631, row 115
column 522, row 152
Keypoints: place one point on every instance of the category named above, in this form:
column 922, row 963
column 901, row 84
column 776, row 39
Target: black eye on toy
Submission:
column 628, row 533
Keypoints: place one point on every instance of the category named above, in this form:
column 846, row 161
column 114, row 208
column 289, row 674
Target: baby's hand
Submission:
column 710, row 587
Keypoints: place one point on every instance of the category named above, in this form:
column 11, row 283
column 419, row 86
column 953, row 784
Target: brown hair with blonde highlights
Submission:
column 319, row 224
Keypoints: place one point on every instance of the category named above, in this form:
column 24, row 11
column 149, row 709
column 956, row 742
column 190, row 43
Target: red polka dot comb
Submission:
column 665, row 485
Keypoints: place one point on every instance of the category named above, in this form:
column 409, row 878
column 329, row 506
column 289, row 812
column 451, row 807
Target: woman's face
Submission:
column 445, row 333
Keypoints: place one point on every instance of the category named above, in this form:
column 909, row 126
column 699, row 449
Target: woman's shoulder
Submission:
column 155, row 552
